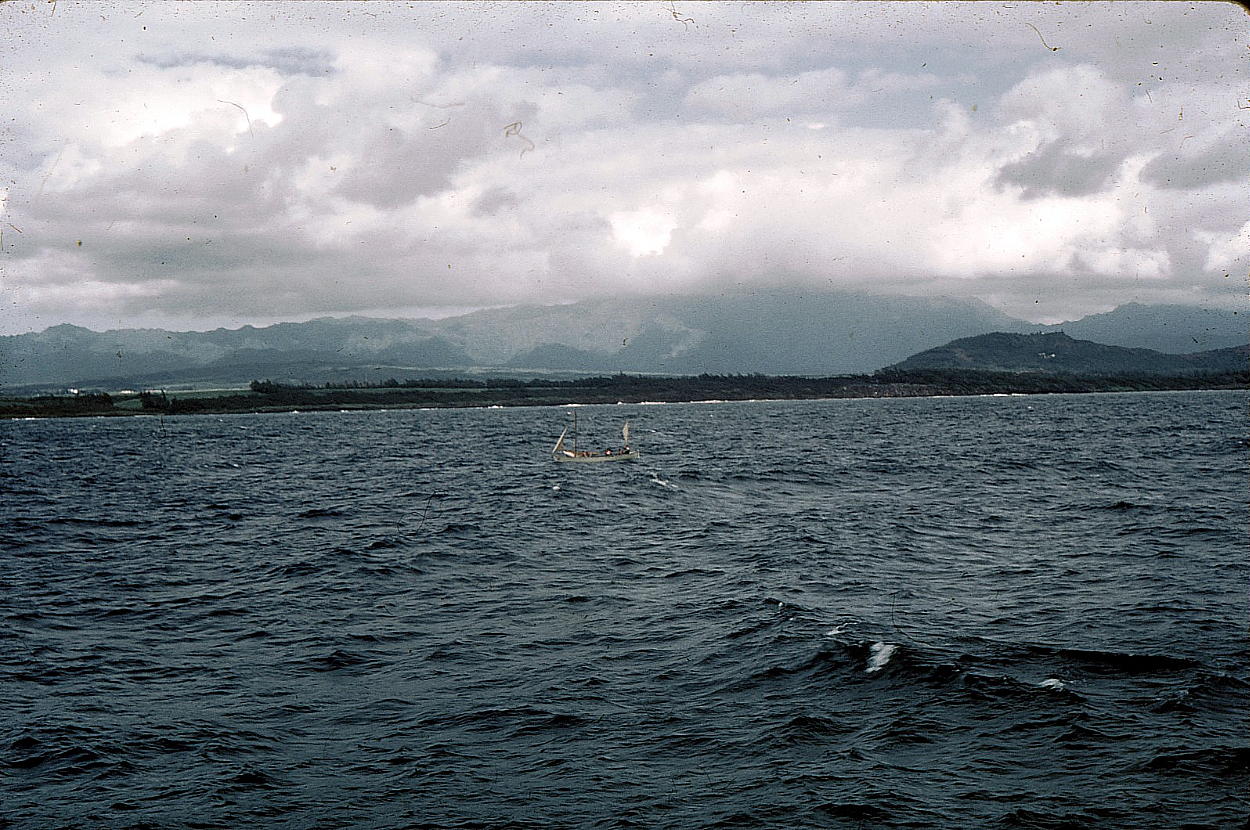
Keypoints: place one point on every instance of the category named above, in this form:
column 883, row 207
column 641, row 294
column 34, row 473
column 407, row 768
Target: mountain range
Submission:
column 779, row 332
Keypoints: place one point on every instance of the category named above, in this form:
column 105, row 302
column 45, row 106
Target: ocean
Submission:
column 1022, row 612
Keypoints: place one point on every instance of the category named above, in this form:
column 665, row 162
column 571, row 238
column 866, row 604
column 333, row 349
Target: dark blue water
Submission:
column 981, row 612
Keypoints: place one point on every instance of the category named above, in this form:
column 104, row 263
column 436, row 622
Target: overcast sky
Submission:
column 201, row 164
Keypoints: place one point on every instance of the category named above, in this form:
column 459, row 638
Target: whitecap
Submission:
column 880, row 654
column 1052, row 683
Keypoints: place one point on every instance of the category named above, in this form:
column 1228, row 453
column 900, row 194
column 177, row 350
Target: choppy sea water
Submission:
column 975, row 612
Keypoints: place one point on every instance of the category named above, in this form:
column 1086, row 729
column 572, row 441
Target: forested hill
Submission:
column 1056, row 352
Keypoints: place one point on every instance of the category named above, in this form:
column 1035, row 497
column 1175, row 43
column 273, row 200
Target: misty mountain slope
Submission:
column 784, row 332
column 70, row 354
column 835, row 333
column 1057, row 352
column 499, row 336
column 559, row 356
column 776, row 332
column 1174, row 329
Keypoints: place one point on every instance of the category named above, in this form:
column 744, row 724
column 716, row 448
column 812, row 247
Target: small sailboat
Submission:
column 569, row 452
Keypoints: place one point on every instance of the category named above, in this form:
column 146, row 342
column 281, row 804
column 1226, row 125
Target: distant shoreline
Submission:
column 266, row 396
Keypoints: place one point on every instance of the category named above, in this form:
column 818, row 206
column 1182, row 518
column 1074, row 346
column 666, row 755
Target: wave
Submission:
column 452, row 528
column 523, row 719
column 1222, row 761
column 809, row 728
column 339, row 660
column 879, row 655
column 1117, row 662
column 321, row 513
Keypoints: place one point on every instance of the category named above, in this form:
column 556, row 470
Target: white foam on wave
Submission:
column 1052, row 683
column 841, row 627
column 663, row 483
column 879, row 654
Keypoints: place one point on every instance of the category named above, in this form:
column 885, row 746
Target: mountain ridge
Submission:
column 779, row 332
column 1174, row 329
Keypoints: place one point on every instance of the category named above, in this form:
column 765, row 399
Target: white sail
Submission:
column 561, row 453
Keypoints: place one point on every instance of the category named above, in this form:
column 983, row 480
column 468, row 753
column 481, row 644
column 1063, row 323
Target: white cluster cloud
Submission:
column 175, row 164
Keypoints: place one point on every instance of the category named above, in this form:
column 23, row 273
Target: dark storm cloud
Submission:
column 400, row 164
column 493, row 200
column 288, row 60
column 1056, row 170
column 1223, row 160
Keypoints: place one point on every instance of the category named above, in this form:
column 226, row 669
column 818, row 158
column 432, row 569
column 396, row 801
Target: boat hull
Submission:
column 594, row 458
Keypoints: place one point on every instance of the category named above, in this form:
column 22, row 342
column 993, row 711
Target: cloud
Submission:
column 750, row 95
column 492, row 154
column 1055, row 170
column 814, row 93
column 284, row 60
column 387, row 166
column 1227, row 252
column 494, row 200
column 1213, row 157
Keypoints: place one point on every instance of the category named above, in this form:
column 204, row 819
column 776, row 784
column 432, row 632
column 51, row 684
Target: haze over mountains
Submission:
column 1174, row 329
column 773, row 333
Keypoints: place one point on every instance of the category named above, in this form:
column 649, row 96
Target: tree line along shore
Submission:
column 270, row 396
